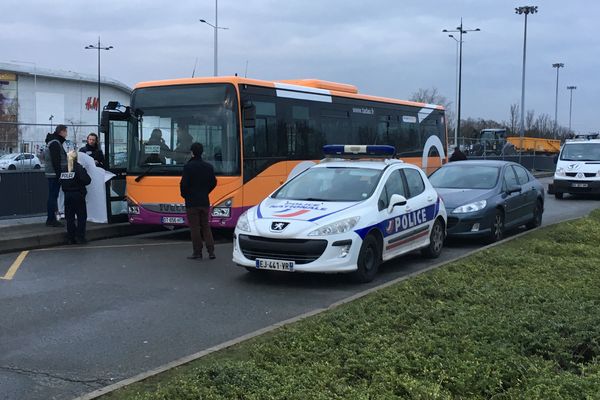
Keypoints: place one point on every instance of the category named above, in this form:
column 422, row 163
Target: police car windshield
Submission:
column 331, row 184
column 581, row 152
column 465, row 177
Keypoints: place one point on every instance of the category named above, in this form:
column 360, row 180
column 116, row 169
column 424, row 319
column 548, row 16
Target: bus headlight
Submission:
column 223, row 209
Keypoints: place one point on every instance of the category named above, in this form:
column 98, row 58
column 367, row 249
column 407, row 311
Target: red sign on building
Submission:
column 92, row 103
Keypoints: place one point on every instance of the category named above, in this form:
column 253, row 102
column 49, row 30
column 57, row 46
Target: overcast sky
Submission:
column 384, row 47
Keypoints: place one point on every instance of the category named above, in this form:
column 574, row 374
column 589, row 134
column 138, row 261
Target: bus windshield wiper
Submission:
column 146, row 172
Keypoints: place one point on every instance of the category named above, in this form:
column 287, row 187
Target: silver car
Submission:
column 16, row 161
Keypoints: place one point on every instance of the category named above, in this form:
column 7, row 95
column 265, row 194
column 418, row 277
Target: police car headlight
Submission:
column 243, row 224
column 560, row 172
column 342, row 226
column 471, row 207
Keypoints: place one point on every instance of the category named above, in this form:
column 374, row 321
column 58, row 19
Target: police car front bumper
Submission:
column 329, row 254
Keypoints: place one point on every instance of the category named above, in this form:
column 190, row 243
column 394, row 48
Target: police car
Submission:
column 348, row 213
column 577, row 168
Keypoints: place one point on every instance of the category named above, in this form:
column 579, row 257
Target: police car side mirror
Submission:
column 396, row 200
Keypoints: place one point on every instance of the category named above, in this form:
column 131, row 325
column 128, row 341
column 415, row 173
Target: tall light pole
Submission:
column 460, row 29
column 571, row 88
column 216, row 28
column 98, row 47
column 558, row 66
column 524, row 10
column 456, row 92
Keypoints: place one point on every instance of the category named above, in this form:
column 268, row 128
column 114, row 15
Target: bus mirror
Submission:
column 104, row 121
column 249, row 116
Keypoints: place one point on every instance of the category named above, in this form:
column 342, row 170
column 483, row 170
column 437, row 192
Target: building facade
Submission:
column 34, row 100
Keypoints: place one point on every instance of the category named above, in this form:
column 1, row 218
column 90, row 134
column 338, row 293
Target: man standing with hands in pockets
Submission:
column 197, row 181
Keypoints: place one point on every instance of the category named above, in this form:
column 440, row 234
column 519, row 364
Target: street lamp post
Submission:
column 456, row 92
column 98, row 47
column 558, row 66
column 524, row 10
column 461, row 31
column 216, row 28
column 571, row 88
column 50, row 119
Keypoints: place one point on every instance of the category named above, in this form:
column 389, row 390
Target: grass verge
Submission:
column 517, row 321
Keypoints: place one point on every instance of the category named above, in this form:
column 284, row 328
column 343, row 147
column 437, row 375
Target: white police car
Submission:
column 343, row 215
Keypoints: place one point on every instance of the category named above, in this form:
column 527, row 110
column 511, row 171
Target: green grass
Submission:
column 518, row 321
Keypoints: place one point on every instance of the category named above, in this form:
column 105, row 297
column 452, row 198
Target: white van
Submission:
column 577, row 168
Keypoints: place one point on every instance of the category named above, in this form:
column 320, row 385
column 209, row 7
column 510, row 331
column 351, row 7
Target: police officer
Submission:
column 56, row 162
column 73, row 184
column 92, row 149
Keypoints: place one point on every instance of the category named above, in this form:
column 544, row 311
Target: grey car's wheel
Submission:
column 369, row 259
column 497, row 228
column 537, row 216
column 436, row 241
column 558, row 195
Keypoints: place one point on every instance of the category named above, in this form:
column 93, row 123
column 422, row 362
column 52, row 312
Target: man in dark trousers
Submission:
column 197, row 181
column 457, row 155
column 73, row 183
column 56, row 163
column 92, row 149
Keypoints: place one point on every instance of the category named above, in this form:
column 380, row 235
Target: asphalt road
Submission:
column 74, row 319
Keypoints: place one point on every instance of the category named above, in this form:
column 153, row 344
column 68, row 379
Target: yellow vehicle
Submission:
column 535, row 145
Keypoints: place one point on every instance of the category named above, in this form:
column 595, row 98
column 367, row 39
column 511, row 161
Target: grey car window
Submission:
column 522, row 175
column 510, row 179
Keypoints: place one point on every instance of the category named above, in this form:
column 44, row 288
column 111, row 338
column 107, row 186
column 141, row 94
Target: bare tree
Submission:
column 529, row 120
column 514, row 118
column 543, row 126
column 432, row 96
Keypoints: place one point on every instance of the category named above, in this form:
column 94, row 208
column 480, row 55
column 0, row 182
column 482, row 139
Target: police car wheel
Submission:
column 436, row 241
column 369, row 259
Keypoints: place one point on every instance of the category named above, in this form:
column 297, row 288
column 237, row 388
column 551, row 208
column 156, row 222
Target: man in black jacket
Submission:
column 56, row 163
column 73, row 184
column 92, row 149
column 197, row 181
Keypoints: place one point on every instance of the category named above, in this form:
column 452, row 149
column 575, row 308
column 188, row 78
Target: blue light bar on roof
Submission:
column 359, row 150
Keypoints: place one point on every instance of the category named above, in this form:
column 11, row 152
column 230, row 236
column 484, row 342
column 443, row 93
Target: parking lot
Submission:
column 78, row 318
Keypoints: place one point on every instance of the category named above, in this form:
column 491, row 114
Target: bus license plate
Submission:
column 581, row 185
column 275, row 265
column 172, row 220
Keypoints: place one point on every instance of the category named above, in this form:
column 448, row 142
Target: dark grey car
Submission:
column 485, row 198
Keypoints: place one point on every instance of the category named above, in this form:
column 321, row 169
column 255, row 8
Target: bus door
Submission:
column 113, row 130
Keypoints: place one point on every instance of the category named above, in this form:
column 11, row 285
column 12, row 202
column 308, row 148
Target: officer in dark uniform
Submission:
column 73, row 185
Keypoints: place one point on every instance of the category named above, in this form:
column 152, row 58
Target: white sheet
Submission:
column 96, row 190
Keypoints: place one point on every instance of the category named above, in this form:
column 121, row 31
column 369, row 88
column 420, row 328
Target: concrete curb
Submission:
column 184, row 360
column 57, row 237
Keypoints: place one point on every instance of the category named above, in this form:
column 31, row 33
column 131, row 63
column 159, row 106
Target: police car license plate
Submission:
column 172, row 220
column 582, row 185
column 276, row 265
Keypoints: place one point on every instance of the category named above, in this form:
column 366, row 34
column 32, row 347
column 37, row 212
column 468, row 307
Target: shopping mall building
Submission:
column 34, row 100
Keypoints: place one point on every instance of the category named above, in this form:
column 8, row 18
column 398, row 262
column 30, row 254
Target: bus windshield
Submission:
column 174, row 117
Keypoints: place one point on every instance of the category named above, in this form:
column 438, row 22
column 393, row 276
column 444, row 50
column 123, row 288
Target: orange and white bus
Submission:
column 254, row 134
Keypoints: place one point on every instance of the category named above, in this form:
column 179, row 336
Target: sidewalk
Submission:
column 31, row 232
